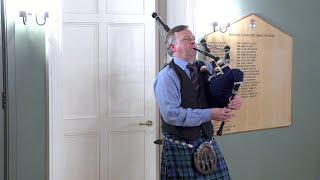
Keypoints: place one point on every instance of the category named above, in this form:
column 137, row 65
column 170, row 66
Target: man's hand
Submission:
column 235, row 103
column 221, row 114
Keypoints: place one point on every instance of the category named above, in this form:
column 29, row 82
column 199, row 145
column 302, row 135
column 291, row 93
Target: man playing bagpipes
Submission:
column 182, row 93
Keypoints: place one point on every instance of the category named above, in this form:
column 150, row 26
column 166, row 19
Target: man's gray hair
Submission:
column 171, row 39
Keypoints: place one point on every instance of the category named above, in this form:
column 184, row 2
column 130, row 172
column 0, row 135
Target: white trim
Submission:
column 181, row 12
column 190, row 7
column 55, row 92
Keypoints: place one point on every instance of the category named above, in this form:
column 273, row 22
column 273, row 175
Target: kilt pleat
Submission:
column 177, row 162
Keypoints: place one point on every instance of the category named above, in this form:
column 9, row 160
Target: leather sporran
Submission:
column 205, row 158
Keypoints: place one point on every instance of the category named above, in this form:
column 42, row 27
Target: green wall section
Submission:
column 30, row 101
column 291, row 153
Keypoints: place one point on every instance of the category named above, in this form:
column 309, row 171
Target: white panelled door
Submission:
column 109, row 64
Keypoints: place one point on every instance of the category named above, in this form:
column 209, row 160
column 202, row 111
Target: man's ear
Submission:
column 172, row 47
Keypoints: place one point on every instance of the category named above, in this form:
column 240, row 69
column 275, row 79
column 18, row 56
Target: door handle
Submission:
column 148, row 123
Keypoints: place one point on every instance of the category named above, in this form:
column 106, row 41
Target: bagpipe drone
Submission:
column 224, row 82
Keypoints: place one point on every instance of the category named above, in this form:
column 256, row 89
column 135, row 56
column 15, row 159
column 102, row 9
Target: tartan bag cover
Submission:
column 177, row 162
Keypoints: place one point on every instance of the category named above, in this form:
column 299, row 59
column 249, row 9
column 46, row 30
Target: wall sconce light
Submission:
column 25, row 14
column 215, row 24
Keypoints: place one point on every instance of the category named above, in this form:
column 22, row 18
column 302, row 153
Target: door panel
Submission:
column 80, row 69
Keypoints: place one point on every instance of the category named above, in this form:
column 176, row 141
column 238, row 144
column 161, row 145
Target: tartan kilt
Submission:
column 177, row 162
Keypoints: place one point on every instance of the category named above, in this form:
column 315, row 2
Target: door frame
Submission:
column 9, row 86
column 3, row 84
column 55, row 93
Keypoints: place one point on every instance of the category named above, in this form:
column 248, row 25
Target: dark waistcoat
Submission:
column 190, row 98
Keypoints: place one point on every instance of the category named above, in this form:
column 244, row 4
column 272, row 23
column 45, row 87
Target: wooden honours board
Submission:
column 264, row 54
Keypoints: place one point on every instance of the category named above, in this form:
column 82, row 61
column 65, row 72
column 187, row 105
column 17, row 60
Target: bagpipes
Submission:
column 225, row 85
column 224, row 82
